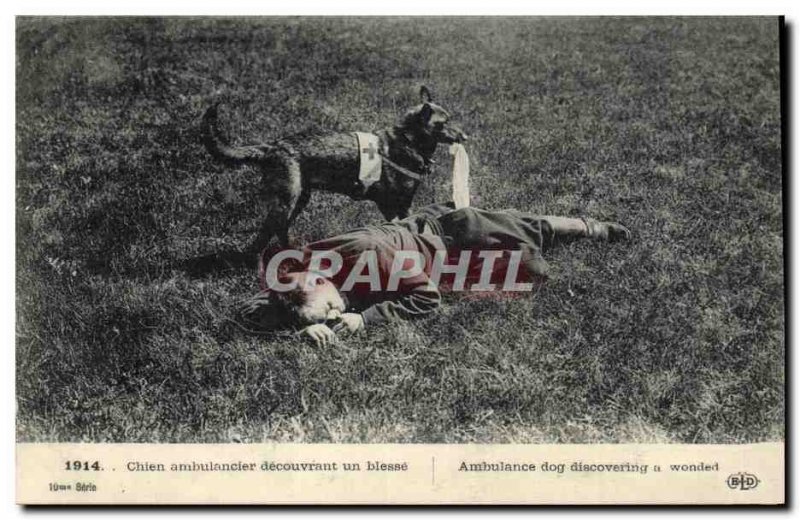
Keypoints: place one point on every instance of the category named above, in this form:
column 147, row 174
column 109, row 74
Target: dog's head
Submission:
column 431, row 122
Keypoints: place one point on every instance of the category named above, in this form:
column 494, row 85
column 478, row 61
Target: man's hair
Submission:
column 289, row 301
column 271, row 310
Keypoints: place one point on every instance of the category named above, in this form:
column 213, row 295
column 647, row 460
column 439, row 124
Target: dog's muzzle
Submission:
column 452, row 134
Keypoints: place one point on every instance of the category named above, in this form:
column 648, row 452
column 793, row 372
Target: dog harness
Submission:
column 372, row 153
column 370, row 158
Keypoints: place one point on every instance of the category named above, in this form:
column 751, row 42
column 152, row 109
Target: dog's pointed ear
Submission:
column 425, row 113
column 425, row 94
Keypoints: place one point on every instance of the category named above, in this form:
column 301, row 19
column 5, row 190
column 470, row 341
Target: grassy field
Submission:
column 671, row 126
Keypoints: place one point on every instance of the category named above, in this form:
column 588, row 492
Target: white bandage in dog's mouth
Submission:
column 460, row 175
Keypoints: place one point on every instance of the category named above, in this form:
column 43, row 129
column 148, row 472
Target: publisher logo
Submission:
column 742, row 481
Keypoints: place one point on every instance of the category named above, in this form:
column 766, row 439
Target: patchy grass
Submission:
column 670, row 126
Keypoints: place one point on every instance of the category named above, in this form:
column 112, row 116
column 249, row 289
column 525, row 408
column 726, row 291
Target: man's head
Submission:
column 312, row 299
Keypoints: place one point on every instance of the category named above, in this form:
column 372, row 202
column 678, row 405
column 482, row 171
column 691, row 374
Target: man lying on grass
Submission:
column 395, row 271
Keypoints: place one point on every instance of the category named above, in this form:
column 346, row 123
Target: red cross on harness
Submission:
column 371, row 150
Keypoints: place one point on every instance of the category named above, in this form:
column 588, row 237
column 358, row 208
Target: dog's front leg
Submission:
column 403, row 208
column 395, row 209
column 404, row 213
column 389, row 212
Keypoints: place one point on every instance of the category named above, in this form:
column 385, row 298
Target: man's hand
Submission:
column 320, row 334
column 350, row 323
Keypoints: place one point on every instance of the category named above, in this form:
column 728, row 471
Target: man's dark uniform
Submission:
column 435, row 228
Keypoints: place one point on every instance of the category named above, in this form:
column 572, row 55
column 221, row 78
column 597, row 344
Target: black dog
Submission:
column 293, row 166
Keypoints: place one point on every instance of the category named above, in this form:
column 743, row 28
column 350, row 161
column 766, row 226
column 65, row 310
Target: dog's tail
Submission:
column 218, row 146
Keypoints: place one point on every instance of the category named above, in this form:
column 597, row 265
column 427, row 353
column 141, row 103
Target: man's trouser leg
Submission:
column 565, row 229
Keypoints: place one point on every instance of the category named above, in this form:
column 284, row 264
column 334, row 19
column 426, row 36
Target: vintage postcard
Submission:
column 400, row 260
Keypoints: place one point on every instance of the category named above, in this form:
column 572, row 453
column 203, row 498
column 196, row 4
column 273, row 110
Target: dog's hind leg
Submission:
column 286, row 219
column 282, row 191
column 265, row 234
column 302, row 202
